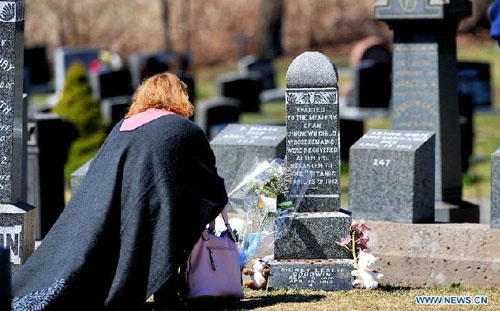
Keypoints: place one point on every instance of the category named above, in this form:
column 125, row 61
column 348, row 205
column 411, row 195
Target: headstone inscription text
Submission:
column 10, row 238
column 313, row 141
column 11, row 88
column 424, row 92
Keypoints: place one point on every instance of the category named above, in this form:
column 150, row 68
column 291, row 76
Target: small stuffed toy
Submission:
column 258, row 275
column 366, row 274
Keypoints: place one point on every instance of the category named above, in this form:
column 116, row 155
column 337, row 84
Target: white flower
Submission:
column 235, row 223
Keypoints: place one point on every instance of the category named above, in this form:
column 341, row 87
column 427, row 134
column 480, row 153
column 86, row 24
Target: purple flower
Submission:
column 359, row 226
column 343, row 241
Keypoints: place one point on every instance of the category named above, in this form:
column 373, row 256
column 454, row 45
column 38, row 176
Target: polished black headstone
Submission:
column 5, row 287
column 147, row 64
column 35, row 59
column 474, row 80
column 245, row 87
column 372, row 84
column 264, row 67
column 111, row 84
column 216, row 111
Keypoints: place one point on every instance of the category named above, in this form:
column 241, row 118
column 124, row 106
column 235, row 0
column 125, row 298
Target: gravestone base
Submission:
column 313, row 236
column 456, row 212
column 17, row 232
column 328, row 275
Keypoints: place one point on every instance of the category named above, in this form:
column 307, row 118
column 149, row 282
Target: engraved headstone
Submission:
column 306, row 256
column 424, row 81
column 16, row 217
column 495, row 189
column 391, row 176
column 238, row 142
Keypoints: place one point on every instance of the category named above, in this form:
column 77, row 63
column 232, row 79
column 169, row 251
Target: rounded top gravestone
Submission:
column 311, row 70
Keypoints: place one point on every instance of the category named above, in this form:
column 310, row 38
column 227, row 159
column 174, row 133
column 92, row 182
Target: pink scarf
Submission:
column 142, row 118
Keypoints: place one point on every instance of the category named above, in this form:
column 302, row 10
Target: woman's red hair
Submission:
column 163, row 91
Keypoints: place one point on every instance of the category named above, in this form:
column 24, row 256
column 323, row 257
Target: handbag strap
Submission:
column 223, row 213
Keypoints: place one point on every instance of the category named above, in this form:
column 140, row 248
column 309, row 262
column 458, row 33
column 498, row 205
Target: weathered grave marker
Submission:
column 238, row 142
column 17, row 219
column 391, row 176
column 306, row 256
column 424, row 81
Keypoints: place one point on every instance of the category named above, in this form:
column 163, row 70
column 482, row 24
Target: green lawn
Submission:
column 383, row 299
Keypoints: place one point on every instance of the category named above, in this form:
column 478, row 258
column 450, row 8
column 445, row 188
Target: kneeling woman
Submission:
column 143, row 204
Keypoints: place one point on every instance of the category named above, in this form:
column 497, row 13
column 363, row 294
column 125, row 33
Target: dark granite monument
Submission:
column 54, row 136
column 474, row 80
column 495, row 189
column 306, row 256
column 111, row 84
column 245, row 87
column 17, row 219
column 372, row 77
column 424, row 81
column 214, row 112
column 238, row 142
column 5, row 290
column 263, row 67
column 391, row 176
column 113, row 109
column 146, row 64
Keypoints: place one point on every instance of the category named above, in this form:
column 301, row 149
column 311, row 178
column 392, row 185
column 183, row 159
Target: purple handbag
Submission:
column 213, row 268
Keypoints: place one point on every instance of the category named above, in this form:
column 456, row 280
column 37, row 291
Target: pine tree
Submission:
column 78, row 106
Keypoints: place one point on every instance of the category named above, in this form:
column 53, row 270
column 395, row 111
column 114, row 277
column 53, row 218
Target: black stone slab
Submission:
column 5, row 288
column 372, row 84
column 312, row 125
column 243, row 86
column 12, row 107
column 352, row 129
column 495, row 189
column 391, row 176
column 313, row 236
column 146, row 64
column 35, row 59
column 113, row 109
column 474, row 80
column 54, row 136
column 329, row 275
column 264, row 67
column 216, row 111
column 424, row 90
column 238, row 142
column 111, row 84
column 17, row 232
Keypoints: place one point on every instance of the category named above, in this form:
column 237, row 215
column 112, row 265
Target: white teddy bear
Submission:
column 366, row 274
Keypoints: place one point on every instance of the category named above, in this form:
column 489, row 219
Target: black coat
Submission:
column 135, row 217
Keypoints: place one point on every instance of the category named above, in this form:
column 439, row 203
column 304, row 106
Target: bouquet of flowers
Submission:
column 262, row 199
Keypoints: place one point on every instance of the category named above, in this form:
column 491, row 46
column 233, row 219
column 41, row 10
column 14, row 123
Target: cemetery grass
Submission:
column 385, row 298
